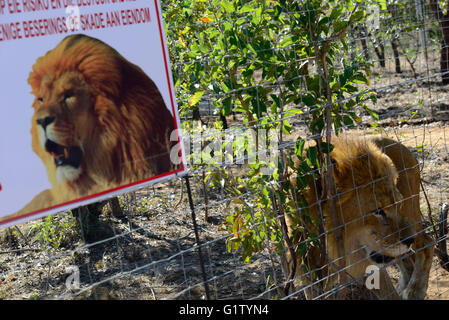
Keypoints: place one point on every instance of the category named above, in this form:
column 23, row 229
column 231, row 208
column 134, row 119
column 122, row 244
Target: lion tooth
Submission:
column 66, row 153
column 60, row 161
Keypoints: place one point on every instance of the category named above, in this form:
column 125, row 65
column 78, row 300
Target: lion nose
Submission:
column 45, row 121
column 408, row 241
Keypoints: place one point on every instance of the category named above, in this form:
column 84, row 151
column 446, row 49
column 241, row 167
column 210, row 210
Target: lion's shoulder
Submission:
column 404, row 161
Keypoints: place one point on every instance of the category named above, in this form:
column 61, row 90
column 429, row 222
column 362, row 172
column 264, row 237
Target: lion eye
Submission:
column 68, row 95
column 40, row 99
column 380, row 212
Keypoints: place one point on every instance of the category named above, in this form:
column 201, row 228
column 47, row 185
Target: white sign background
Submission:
column 22, row 173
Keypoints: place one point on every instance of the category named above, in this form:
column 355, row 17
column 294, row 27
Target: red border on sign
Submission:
column 172, row 101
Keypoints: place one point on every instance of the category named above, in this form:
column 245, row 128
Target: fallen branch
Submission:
column 19, row 250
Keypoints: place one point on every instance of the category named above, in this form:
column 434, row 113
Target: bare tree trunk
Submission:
column 397, row 59
column 223, row 120
column 380, row 52
column 196, row 113
column 444, row 59
column 363, row 35
column 365, row 47
column 392, row 9
column 443, row 19
column 330, row 188
column 116, row 210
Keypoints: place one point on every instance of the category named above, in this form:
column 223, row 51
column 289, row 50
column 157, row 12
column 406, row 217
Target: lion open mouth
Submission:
column 380, row 258
column 64, row 155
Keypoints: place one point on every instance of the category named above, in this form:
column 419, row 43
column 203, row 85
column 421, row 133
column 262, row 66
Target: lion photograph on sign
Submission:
column 99, row 122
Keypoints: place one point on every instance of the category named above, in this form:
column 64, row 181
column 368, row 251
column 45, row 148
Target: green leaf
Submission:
column 308, row 100
column 301, row 182
column 246, row 8
column 350, row 88
column 371, row 112
column 324, row 21
column 347, row 120
column 299, row 147
column 226, row 111
column 349, row 104
column 358, row 15
column 355, row 117
column 336, row 13
column 228, row 6
column 286, row 127
column 326, row 148
column 286, row 42
column 360, row 78
column 317, row 125
column 195, row 49
column 339, row 25
column 257, row 16
column 382, row 4
column 312, row 157
column 292, row 112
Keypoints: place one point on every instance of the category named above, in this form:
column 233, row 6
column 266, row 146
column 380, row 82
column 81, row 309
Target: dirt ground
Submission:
column 149, row 252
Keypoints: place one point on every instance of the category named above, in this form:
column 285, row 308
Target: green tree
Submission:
column 269, row 61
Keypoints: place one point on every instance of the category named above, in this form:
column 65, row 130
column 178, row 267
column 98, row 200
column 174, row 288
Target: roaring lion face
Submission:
column 99, row 121
column 63, row 125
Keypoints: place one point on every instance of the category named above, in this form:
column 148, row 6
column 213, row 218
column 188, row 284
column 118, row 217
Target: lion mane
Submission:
column 99, row 121
column 377, row 183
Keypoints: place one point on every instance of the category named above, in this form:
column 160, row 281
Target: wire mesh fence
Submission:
column 221, row 233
